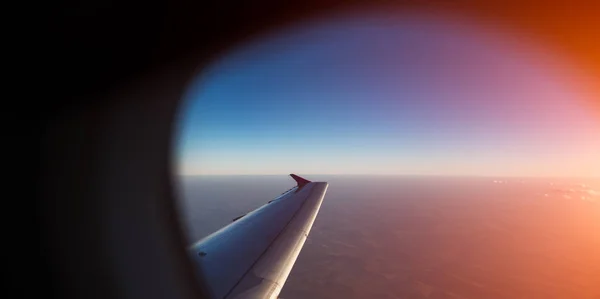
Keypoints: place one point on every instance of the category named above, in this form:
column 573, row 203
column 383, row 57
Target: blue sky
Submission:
column 385, row 94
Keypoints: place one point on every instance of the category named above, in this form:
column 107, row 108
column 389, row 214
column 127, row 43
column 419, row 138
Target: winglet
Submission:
column 301, row 181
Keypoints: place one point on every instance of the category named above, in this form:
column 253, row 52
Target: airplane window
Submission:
column 462, row 158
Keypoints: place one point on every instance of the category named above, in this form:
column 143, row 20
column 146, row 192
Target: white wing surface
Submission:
column 253, row 256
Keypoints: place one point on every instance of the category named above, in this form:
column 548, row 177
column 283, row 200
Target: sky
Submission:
column 384, row 94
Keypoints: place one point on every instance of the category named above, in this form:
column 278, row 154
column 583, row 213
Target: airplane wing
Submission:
column 253, row 256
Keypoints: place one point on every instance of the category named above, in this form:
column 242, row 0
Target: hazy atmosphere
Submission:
column 415, row 94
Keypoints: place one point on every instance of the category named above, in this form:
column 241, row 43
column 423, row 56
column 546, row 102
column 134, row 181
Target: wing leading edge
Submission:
column 253, row 256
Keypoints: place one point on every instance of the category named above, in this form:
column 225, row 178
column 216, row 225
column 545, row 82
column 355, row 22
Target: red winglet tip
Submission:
column 300, row 180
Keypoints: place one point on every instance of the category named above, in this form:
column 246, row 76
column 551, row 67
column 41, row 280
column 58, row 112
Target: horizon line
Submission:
column 394, row 174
